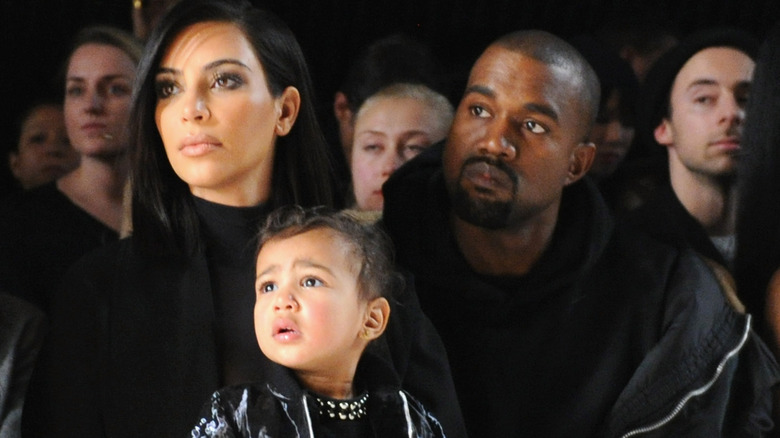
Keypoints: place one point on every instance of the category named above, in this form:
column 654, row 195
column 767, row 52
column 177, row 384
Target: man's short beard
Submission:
column 492, row 215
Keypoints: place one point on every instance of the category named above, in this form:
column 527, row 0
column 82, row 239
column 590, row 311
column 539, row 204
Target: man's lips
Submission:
column 487, row 176
column 728, row 143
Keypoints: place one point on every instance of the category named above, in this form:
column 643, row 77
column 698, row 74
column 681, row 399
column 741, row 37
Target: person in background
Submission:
column 393, row 59
column 638, row 35
column 43, row 152
column 613, row 131
column 145, row 15
column 693, row 106
column 758, row 216
column 324, row 281
column 392, row 127
column 557, row 320
column 47, row 229
column 223, row 130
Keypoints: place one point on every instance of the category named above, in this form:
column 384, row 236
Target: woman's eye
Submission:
column 227, row 80
column 74, row 91
column 534, row 127
column 372, row 148
column 165, row 89
column 268, row 287
column 705, row 100
column 312, row 282
column 119, row 90
column 411, row 151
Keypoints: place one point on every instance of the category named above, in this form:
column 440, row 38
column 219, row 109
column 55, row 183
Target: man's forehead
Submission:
column 712, row 65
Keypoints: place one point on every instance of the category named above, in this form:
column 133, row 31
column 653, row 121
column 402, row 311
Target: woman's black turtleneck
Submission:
column 230, row 235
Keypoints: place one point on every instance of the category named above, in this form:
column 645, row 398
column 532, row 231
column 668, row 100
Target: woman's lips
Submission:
column 198, row 145
column 94, row 129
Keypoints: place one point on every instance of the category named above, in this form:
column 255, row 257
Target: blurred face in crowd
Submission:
column 216, row 115
column 389, row 131
column 516, row 141
column 707, row 108
column 612, row 136
column 44, row 152
column 98, row 91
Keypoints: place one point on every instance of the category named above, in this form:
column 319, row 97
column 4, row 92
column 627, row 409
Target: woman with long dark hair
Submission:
column 223, row 130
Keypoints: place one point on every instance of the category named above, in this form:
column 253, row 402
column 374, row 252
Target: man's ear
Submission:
column 288, row 105
column 377, row 314
column 341, row 108
column 580, row 161
column 664, row 133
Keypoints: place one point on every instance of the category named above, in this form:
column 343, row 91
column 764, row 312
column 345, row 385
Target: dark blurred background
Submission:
column 36, row 33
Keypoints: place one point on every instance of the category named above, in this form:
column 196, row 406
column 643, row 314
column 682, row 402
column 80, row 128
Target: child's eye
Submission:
column 312, row 282
column 268, row 287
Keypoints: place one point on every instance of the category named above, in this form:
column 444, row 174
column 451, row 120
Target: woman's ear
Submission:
column 377, row 314
column 580, row 161
column 288, row 105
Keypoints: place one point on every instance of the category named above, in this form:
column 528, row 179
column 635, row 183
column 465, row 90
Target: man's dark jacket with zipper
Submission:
column 610, row 334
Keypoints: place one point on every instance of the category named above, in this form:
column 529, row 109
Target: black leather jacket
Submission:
column 280, row 408
column 610, row 334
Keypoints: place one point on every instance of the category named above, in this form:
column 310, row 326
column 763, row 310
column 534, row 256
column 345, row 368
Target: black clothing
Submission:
column 22, row 329
column 666, row 219
column 230, row 238
column 43, row 233
column 280, row 408
column 605, row 334
column 135, row 347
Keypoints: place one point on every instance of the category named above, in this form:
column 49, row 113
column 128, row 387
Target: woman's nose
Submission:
column 195, row 108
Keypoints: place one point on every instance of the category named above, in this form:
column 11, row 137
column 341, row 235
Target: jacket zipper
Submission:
column 696, row 392
column 409, row 426
column 308, row 416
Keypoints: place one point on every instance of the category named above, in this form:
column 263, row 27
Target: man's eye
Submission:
column 312, row 282
column 479, row 111
column 534, row 127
